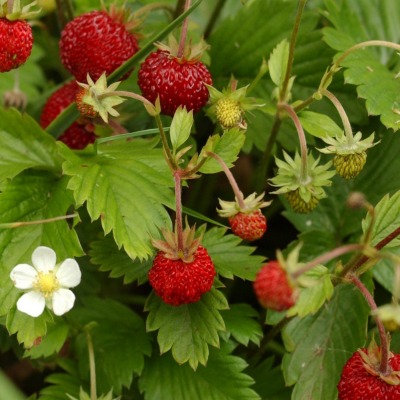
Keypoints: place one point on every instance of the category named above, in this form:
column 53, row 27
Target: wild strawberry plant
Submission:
column 200, row 200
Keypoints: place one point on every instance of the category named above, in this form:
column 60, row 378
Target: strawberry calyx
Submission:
column 170, row 245
column 191, row 53
column 122, row 15
column 17, row 12
column 371, row 359
column 251, row 204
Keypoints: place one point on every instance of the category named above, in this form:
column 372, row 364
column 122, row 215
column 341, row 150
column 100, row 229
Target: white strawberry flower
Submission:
column 46, row 283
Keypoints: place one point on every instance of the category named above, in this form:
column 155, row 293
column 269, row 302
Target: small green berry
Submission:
column 350, row 165
column 298, row 204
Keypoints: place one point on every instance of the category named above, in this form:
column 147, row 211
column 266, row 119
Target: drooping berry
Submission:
column 178, row 282
column 96, row 42
column 273, row 288
column 176, row 81
column 248, row 226
column 350, row 165
column 298, row 204
column 361, row 379
column 77, row 136
column 16, row 43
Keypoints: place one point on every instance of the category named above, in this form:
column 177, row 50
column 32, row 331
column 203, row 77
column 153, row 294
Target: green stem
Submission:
column 304, row 104
column 92, row 366
column 295, row 31
column 231, row 179
column 178, row 211
column 152, row 7
column 214, row 17
column 302, row 140
column 324, row 258
column 39, row 221
column 170, row 158
column 182, row 40
column 343, row 116
column 384, row 367
column 261, row 72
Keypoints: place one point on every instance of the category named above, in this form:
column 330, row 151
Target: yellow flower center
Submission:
column 47, row 283
column 229, row 113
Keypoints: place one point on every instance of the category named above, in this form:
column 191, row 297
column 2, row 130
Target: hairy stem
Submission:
column 330, row 255
column 168, row 154
column 342, row 113
column 384, row 365
column 302, row 139
column 231, row 179
column 182, row 40
column 178, row 210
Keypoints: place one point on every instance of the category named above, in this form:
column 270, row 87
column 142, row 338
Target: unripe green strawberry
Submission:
column 350, row 165
column 228, row 112
column 298, row 204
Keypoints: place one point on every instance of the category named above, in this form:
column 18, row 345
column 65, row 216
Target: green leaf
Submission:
column 230, row 257
column 119, row 339
column 52, row 342
column 32, row 196
column 241, row 322
column 320, row 344
column 278, row 61
column 387, row 220
column 106, row 254
column 367, row 69
column 126, row 185
column 181, row 127
column 319, row 289
column 385, row 271
column 187, row 330
column 28, row 329
column 226, row 146
column 23, row 145
column 221, row 379
column 319, row 125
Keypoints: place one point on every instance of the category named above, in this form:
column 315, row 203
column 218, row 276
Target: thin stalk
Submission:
column 302, row 139
column 170, row 158
column 324, row 258
column 10, row 6
column 178, row 210
column 179, row 8
column 384, row 364
column 214, row 17
column 231, row 179
column 182, row 40
column 293, row 38
column 342, row 113
column 39, row 221
column 152, row 7
column 261, row 72
column 92, row 366
column 304, row 104
column 125, row 93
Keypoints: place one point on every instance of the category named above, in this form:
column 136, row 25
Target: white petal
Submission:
column 63, row 301
column 69, row 274
column 31, row 303
column 23, row 276
column 44, row 259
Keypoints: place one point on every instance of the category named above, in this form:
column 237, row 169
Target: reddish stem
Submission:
column 231, row 179
column 384, row 367
column 182, row 40
column 178, row 209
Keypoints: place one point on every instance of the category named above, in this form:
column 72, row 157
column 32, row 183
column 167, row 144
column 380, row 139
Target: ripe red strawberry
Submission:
column 16, row 43
column 360, row 381
column 251, row 226
column 177, row 81
column 77, row 136
column 178, row 282
column 97, row 42
column 273, row 289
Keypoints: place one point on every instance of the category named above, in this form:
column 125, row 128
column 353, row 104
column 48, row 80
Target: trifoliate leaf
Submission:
column 33, row 196
column 319, row 125
column 181, row 126
column 226, row 146
column 230, row 257
column 320, row 344
column 187, row 330
column 23, row 145
column 119, row 339
column 106, row 254
column 240, row 321
column 278, row 61
column 221, row 379
column 126, row 185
